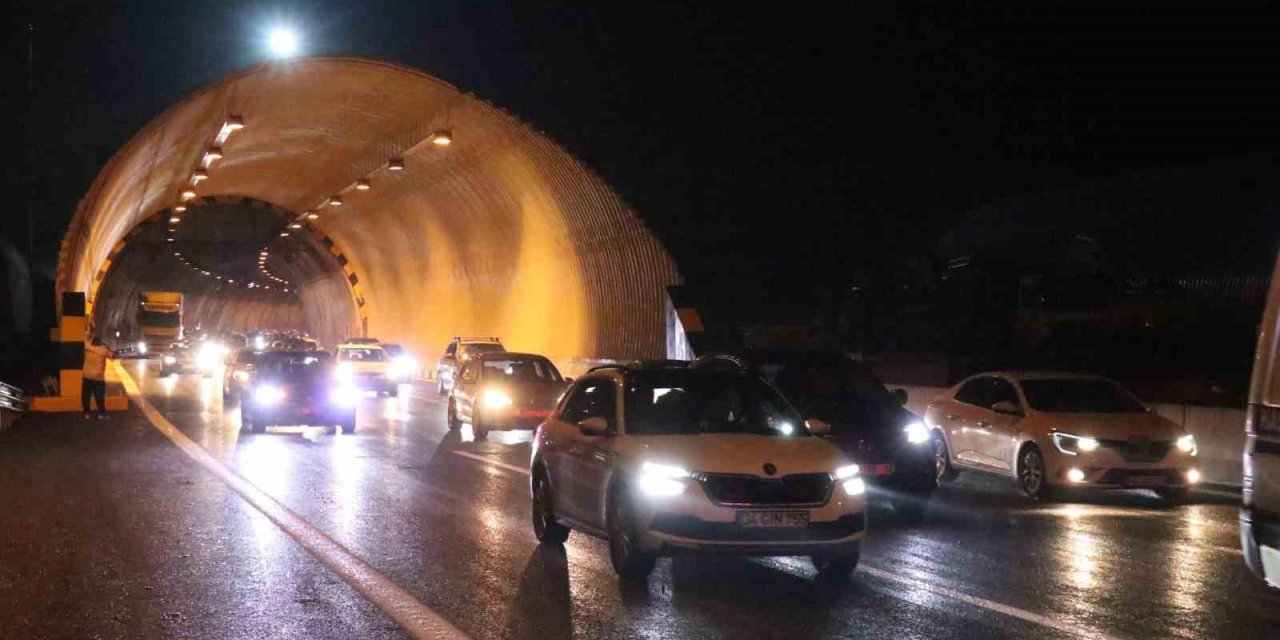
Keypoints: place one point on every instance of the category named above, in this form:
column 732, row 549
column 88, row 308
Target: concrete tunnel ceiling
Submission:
column 501, row 232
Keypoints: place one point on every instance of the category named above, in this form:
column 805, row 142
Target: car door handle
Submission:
column 983, row 424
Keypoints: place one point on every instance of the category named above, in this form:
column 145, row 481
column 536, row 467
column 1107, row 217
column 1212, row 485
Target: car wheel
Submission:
column 839, row 565
column 1032, row 478
column 545, row 527
column 478, row 427
column 1173, row 495
column 451, row 417
column 942, row 469
column 395, row 391
column 629, row 561
column 440, row 387
column 348, row 425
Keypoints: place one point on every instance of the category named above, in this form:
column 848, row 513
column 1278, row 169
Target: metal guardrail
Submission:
column 12, row 404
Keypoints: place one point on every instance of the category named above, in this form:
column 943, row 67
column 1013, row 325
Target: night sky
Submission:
column 784, row 140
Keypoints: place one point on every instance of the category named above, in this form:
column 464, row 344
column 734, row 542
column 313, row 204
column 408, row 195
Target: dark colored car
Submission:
column 179, row 358
column 297, row 388
column 504, row 391
column 868, row 422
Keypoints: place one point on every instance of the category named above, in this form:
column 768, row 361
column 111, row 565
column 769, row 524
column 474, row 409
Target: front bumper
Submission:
column 692, row 523
column 289, row 415
column 1107, row 469
column 373, row 383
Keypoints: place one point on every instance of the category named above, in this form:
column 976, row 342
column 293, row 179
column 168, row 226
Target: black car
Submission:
column 297, row 388
column 868, row 422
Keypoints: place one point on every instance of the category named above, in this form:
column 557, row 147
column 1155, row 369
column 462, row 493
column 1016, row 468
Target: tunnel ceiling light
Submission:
column 211, row 155
column 396, row 164
column 188, row 194
column 284, row 234
column 175, row 219
column 335, row 201
column 200, row 174
column 235, row 122
column 313, row 215
column 442, row 138
column 295, row 226
column 363, row 184
column 170, row 239
column 180, row 208
column 283, row 42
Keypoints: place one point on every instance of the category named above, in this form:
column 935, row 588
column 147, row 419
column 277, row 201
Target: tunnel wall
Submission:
column 501, row 233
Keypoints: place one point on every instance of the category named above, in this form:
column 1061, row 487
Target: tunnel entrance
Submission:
column 443, row 214
column 240, row 267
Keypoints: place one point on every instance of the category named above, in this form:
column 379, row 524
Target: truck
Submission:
column 1260, row 511
column 159, row 320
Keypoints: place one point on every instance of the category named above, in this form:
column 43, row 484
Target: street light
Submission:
column 283, row 42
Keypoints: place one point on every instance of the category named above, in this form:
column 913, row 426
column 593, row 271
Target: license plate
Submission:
column 773, row 518
column 878, row 469
column 1145, row 481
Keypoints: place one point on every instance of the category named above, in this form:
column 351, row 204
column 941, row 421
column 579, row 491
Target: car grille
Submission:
column 741, row 490
column 1139, row 451
column 697, row 529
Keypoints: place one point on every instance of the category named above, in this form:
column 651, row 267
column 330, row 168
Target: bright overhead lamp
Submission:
column 363, row 184
column 313, row 215
column 396, row 164
column 174, row 219
column 188, row 194
column 235, row 122
column 295, row 226
column 211, row 155
column 200, row 174
column 284, row 234
column 283, row 42
column 335, row 201
column 442, row 138
column 180, row 208
column 169, row 240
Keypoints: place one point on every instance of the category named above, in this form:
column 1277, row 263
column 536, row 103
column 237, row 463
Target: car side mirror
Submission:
column 594, row 426
column 900, row 395
column 817, row 427
column 1007, row 408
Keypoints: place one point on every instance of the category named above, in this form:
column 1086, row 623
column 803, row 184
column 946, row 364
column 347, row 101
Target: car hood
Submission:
column 741, row 453
column 1110, row 426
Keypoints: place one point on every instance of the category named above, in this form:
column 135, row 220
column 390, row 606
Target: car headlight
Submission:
column 142, row 347
column 1187, row 444
column 495, row 399
column 343, row 372
column 1074, row 445
column 854, row 486
column 917, row 432
column 345, row 395
column 846, row 472
column 259, row 343
column 268, row 394
column 404, row 366
column 170, row 360
column 662, row 480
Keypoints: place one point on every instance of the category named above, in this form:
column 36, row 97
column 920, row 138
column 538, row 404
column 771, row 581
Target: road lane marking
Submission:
column 411, row 614
column 492, row 462
column 1021, row 614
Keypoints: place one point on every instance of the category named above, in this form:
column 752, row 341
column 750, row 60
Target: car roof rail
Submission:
column 718, row 362
column 607, row 367
column 477, row 339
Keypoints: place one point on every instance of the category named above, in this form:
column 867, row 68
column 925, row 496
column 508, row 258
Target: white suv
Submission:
column 666, row 458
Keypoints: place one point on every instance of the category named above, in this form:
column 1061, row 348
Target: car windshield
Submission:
column 1079, row 395
column 519, row 370
column 393, row 350
column 692, row 402
column 294, row 366
column 374, row 354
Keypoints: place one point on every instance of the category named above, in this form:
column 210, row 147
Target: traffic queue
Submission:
column 765, row 452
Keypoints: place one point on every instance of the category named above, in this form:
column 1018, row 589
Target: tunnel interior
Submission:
column 240, row 266
column 415, row 212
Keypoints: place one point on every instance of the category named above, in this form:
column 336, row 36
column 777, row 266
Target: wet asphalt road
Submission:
column 108, row 530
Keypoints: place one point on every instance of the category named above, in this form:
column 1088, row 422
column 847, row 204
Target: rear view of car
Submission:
column 457, row 354
column 297, row 388
column 1260, row 512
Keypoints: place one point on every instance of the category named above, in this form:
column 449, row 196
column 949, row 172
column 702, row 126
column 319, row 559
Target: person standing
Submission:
column 95, row 377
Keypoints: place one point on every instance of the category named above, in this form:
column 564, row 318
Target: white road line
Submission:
column 416, row 618
column 1015, row 612
column 492, row 462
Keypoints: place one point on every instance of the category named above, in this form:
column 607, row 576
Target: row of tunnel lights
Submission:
column 440, row 138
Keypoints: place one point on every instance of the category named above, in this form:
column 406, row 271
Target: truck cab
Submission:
column 159, row 320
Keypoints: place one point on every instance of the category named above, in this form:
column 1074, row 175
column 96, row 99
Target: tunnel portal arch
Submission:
column 498, row 232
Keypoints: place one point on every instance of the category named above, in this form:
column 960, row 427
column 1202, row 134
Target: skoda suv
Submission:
column 1049, row 430
column 666, row 458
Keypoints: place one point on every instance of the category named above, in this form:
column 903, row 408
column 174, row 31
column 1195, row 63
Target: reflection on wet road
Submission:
column 446, row 518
